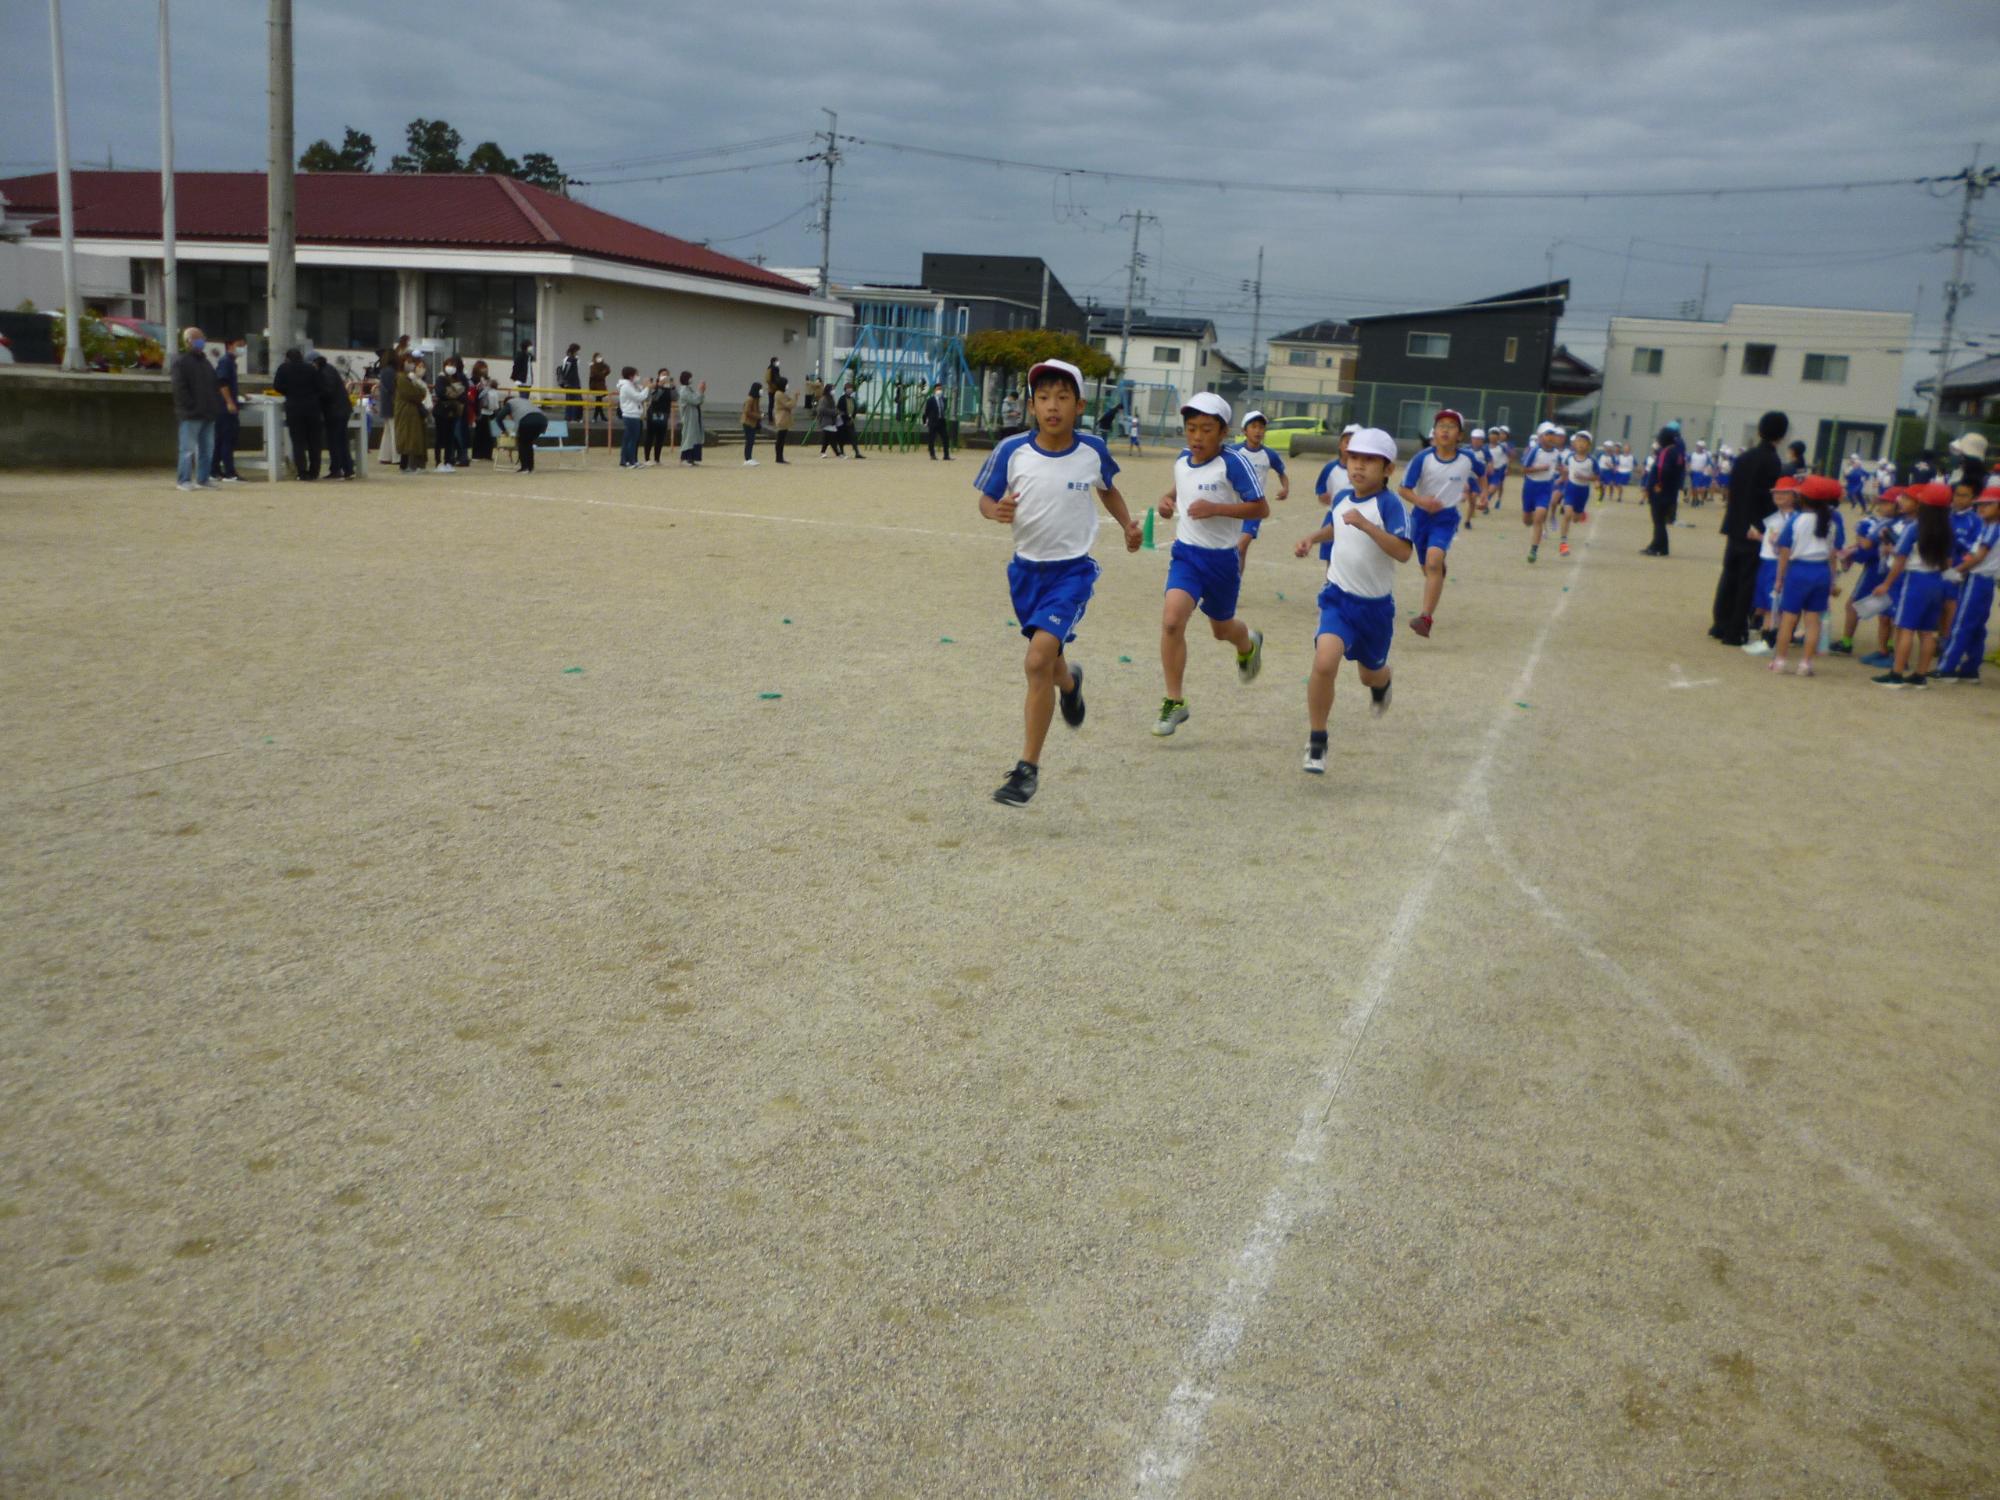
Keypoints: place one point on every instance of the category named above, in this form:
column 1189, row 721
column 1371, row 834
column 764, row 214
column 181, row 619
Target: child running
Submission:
column 1040, row 483
column 1499, row 453
column 1538, row 482
column 1921, row 558
column 1369, row 535
column 1580, row 475
column 1623, row 479
column 1266, row 462
column 1807, row 544
column 1215, row 488
column 1966, row 643
column 1437, row 479
column 1701, row 468
column 1332, row 480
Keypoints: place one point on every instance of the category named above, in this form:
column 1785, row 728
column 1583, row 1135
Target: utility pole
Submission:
column 281, row 299
column 72, row 323
column 1701, row 307
column 1045, row 296
column 830, row 155
column 1977, row 180
column 169, row 275
column 1256, row 290
column 1131, row 285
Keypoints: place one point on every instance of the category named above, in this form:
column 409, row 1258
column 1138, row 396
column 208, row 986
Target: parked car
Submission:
column 1279, row 431
column 28, row 338
column 138, row 328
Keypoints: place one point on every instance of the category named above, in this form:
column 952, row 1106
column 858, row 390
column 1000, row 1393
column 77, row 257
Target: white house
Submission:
column 1167, row 360
column 1309, row 371
column 1836, row 372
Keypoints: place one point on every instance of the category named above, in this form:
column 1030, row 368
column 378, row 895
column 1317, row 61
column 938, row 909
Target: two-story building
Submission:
column 1166, row 360
column 1836, row 372
column 1489, row 359
column 1309, row 371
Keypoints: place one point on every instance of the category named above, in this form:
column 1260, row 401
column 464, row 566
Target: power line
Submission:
column 730, row 239
column 625, row 163
column 748, row 166
column 1224, row 185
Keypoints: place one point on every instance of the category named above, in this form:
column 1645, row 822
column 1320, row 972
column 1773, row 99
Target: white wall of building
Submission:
column 31, row 273
column 726, row 343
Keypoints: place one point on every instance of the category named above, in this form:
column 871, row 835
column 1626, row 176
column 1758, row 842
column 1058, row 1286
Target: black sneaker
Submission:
column 1381, row 696
column 1072, row 701
column 1019, row 786
column 1891, row 679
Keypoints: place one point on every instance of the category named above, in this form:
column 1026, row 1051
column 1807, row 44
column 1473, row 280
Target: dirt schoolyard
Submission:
column 515, row 986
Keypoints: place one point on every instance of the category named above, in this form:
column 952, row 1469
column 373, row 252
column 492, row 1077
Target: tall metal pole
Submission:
column 1976, row 183
column 1131, row 282
column 1256, row 320
column 65, row 207
column 281, row 205
column 1701, row 307
column 831, row 156
column 169, row 274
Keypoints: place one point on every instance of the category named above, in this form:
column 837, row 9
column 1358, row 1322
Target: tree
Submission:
column 355, row 153
column 488, row 157
column 1013, row 350
column 433, row 148
column 539, row 168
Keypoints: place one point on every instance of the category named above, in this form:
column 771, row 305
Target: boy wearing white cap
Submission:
column 1215, row 490
column 1266, row 463
column 1539, row 468
column 1499, row 453
column 1438, row 478
column 1370, row 534
column 1580, row 473
column 1040, row 483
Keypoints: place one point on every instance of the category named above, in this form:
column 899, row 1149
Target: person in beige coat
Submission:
column 753, row 418
column 411, row 393
column 782, row 406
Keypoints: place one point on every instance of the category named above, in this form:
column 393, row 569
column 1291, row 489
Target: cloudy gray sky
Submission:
column 1659, row 94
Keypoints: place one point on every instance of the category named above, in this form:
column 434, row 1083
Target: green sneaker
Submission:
column 1251, row 662
column 1173, row 714
column 1531, row 553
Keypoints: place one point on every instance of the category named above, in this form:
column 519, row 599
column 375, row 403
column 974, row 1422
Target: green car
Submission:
column 1279, row 431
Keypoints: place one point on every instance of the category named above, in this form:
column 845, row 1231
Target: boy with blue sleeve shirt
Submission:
column 1266, row 462
column 1370, row 534
column 1438, row 478
column 1042, row 483
column 1215, row 488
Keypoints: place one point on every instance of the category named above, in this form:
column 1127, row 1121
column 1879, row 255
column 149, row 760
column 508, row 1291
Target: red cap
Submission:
column 1990, row 495
column 1448, row 412
column 1930, row 494
column 1789, row 482
column 1894, row 492
column 1817, row 487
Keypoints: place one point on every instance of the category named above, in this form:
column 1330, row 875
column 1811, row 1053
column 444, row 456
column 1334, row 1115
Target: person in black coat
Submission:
column 1750, row 482
column 522, row 356
column 298, row 383
column 937, row 423
column 569, row 376
column 335, row 407
column 1663, row 492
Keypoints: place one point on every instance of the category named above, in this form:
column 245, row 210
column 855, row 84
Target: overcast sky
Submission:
column 1649, row 94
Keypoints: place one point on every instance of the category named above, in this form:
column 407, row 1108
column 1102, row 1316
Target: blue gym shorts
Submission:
column 1208, row 575
column 1052, row 596
column 1807, row 588
column 1576, row 497
column 1432, row 528
column 1767, row 583
column 1363, row 625
column 1922, row 604
column 1535, row 494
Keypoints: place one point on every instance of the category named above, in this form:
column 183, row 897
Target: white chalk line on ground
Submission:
column 1718, row 1063
column 1177, row 1435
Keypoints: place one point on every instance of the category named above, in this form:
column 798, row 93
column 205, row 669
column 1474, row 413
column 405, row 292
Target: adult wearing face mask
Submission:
column 298, row 383
column 197, row 404
column 410, row 394
column 228, row 424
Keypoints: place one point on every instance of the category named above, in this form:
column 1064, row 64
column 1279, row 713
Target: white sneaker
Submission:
column 750, row 463
column 182, row 485
column 1757, row 648
column 208, row 484
column 1315, row 761
column 232, row 479
column 446, row 469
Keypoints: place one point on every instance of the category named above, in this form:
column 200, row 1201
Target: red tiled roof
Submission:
column 380, row 208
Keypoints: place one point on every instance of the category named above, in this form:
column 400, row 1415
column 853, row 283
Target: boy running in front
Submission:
column 1580, row 475
column 1538, row 480
column 1438, row 478
column 1370, row 533
column 1266, row 462
column 1215, row 489
column 1040, row 482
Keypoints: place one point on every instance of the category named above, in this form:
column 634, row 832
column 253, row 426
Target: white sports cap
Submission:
column 1252, row 416
column 1547, row 427
column 1059, row 367
column 1479, row 432
column 1350, row 429
column 1581, row 432
column 1206, row 404
column 1373, row 440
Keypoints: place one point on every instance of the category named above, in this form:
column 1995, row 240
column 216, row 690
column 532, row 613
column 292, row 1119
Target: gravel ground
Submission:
column 465, row 1037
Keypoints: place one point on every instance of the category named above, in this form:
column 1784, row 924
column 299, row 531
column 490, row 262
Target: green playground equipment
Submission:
column 892, row 367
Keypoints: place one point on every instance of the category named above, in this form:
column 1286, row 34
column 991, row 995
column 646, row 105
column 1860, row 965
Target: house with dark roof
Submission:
column 1309, row 371
column 469, row 262
column 1166, row 359
column 1971, row 391
column 1489, row 359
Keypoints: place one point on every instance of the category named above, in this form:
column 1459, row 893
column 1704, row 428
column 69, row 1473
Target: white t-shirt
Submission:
column 1582, row 468
column 1359, row 566
column 1263, row 460
column 1772, row 525
column 1624, row 462
column 1436, row 478
column 1055, row 509
column 1497, row 455
column 1699, row 461
column 1799, row 534
column 1539, row 464
column 1227, row 479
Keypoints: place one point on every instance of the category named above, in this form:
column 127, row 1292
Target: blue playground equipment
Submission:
column 892, row 366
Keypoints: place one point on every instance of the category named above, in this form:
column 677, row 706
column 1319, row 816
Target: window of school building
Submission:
column 343, row 309
column 1757, row 358
column 1429, row 346
column 489, row 315
column 1648, row 361
column 1166, row 354
column 1830, row 368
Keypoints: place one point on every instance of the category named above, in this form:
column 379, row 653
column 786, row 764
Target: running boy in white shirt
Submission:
column 1040, row 483
column 1370, row 533
column 1539, row 467
column 1266, row 462
column 1580, row 474
column 1215, row 490
column 1437, row 479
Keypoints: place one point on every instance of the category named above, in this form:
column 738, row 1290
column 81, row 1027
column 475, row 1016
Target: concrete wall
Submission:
column 725, row 343
column 53, row 420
